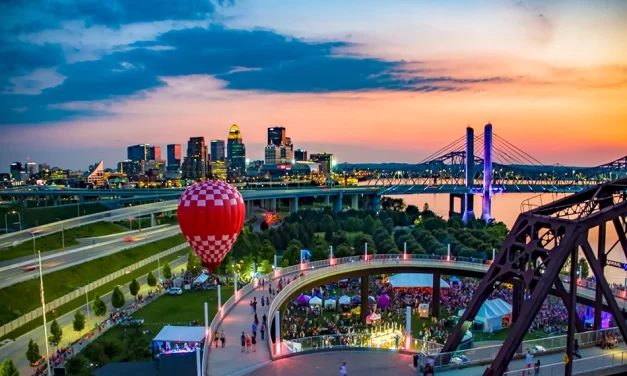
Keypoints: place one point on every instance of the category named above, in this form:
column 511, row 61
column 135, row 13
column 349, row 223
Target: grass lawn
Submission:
column 55, row 241
column 167, row 310
column 36, row 216
column 146, row 223
column 67, row 280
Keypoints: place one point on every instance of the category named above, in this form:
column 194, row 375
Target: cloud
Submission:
column 260, row 60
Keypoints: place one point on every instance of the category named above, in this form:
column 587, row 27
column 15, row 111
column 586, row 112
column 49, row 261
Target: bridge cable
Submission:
column 501, row 147
column 521, row 159
column 439, row 152
column 517, row 148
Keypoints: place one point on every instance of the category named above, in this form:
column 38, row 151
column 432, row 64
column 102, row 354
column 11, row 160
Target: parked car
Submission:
column 175, row 291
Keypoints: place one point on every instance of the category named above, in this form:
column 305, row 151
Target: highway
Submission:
column 17, row 349
column 11, row 272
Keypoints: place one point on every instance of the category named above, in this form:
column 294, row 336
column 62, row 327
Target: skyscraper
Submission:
column 143, row 152
column 174, row 157
column 235, row 152
column 217, row 150
column 31, row 168
column 325, row 161
column 195, row 165
column 154, row 153
column 16, row 168
column 300, row 155
column 276, row 136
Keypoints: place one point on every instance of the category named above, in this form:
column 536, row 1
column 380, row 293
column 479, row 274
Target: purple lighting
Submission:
column 487, row 174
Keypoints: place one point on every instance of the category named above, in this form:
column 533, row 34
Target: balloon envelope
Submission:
column 211, row 215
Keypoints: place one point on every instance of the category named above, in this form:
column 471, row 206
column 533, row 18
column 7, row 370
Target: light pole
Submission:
column 62, row 236
column 87, row 303
column 6, row 223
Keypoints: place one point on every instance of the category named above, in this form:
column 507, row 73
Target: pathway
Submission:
column 17, row 349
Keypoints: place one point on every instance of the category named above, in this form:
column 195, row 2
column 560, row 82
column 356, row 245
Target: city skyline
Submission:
column 393, row 82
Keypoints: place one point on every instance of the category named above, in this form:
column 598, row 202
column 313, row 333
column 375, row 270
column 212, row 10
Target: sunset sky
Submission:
column 370, row 81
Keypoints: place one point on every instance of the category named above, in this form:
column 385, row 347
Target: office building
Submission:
column 288, row 170
column 235, row 152
column 95, row 175
column 272, row 154
column 218, row 170
column 276, row 136
column 300, row 155
column 325, row 161
column 130, row 168
column 16, row 168
column 31, row 168
column 195, row 164
column 174, row 157
column 217, row 150
column 143, row 152
column 44, row 167
column 154, row 153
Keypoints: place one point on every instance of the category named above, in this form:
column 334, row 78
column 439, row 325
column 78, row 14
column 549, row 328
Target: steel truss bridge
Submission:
column 513, row 171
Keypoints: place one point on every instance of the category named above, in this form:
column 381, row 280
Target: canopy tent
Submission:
column 258, row 275
column 180, row 334
column 372, row 300
column 356, row 310
column 356, row 299
column 317, row 295
column 454, row 279
column 329, row 303
column 415, row 280
column 345, row 300
column 315, row 301
column 384, row 301
column 495, row 314
column 201, row 278
column 302, row 300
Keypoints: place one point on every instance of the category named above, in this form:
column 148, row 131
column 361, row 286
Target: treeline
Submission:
column 386, row 233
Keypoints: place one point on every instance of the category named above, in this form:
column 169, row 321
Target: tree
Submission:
column 193, row 263
column 32, row 353
column 98, row 306
column 151, row 280
column 138, row 346
column 585, row 268
column 134, row 287
column 369, row 225
column 360, row 241
column 292, row 254
column 342, row 250
column 267, row 251
column 8, row 368
column 167, row 272
column 77, row 365
column 79, row 321
column 56, row 333
column 265, row 267
column 117, row 298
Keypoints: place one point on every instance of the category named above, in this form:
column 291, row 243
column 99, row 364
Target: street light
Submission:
column 6, row 224
column 62, row 236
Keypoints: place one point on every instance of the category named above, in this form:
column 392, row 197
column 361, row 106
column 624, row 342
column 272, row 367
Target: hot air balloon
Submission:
column 211, row 215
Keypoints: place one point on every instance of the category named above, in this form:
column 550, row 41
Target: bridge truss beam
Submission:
column 535, row 252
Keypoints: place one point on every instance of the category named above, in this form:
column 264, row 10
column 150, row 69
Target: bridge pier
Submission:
column 337, row 202
column 469, row 207
column 435, row 300
column 364, row 299
column 273, row 204
column 372, row 202
column 327, row 201
column 452, row 198
column 294, row 205
column 153, row 221
column 355, row 202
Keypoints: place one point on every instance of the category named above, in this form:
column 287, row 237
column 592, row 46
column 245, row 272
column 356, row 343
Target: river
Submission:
column 507, row 206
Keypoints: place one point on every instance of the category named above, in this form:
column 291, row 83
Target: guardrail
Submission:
column 580, row 366
column 11, row 326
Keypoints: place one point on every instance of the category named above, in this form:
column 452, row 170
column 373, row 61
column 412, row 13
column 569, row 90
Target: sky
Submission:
column 369, row 81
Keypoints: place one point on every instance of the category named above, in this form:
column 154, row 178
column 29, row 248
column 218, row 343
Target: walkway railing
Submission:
column 580, row 366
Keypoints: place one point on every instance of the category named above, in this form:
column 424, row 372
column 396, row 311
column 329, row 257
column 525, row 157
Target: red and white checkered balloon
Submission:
column 211, row 215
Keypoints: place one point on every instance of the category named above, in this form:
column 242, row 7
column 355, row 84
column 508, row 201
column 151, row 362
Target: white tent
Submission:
column 329, row 304
column 315, row 301
column 415, row 280
column 181, row 334
column 345, row 300
column 494, row 314
column 201, row 278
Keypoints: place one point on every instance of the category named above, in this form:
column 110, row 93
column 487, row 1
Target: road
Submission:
column 17, row 349
column 56, row 260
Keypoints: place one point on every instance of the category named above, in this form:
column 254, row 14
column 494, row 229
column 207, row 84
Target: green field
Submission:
column 67, row 280
column 102, row 290
column 54, row 241
column 168, row 310
column 37, row 216
column 146, row 222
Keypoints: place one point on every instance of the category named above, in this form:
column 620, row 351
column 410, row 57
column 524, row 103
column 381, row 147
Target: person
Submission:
column 262, row 329
column 528, row 357
column 222, row 338
column 343, row 370
column 251, row 307
column 216, row 337
column 243, row 339
column 536, row 368
column 263, row 302
column 247, row 343
column 576, row 351
column 254, row 327
column 428, row 371
column 256, row 319
column 267, row 301
column 254, row 342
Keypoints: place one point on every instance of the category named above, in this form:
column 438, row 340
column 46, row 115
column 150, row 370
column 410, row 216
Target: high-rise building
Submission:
column 130, row 168
column 235, row 152
column 300, row 155
column 325, row 161
column 272, row 154
column 44, row 167
column 218, row 170
column 276, row 136
column 174, row 157
column 217, row 150
column 31, row 168
column 154, row 153
column 16, row 168
column 195, row 165
column 138, row 152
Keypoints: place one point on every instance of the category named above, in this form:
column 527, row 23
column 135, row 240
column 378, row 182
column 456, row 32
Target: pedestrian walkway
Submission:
column 230, row 359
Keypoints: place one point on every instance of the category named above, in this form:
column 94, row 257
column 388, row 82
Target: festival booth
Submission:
column 202, row 278
column 329, row 303
column 495, row 314
column 345, row 300
column 423, row 310
column 176, row 340
column 454, row 280
column 315, row 301
column 372, row 300
column 302, row 300
column 415, row 280
column 355, row 299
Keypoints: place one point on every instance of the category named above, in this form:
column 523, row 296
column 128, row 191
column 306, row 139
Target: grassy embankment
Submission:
column 37, row 216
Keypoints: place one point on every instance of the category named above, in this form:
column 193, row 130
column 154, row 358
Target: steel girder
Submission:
column 536, row 250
